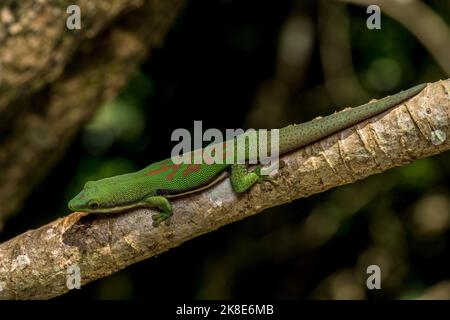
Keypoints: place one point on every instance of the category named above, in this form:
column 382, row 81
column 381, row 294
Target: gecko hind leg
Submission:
column 162, row 204
column 242, row 179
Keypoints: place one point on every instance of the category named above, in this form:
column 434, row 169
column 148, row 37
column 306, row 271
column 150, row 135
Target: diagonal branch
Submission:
column 52, row 80
column 34, row 264
column 431, row 30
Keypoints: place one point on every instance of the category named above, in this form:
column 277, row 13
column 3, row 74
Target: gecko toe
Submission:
column 161, row 217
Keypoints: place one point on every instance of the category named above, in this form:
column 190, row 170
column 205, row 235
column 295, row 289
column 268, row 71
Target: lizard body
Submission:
column 155, row 184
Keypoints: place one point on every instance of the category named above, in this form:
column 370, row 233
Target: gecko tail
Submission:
column 298, row 135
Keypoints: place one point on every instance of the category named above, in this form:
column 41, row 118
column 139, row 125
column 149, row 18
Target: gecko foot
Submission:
column 263, row 177
column 161, row 217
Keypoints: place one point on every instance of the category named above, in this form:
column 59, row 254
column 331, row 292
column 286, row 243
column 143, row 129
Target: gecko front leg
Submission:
column 163, row 204
column 242, row 179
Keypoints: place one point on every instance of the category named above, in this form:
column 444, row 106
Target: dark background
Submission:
column 219, row 57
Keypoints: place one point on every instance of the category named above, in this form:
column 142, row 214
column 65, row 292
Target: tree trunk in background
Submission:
column 53, row 79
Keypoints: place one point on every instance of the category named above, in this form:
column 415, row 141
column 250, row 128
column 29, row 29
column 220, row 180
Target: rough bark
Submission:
column 34, row 264
column 52, row 79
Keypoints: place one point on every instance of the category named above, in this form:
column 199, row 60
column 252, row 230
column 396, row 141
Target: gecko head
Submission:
column 87, row 200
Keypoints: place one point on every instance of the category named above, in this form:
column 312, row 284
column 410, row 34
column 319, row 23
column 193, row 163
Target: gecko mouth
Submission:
column 73, row 205
column 117, row 209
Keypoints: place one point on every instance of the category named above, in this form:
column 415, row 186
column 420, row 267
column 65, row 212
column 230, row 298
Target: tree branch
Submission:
column 34, row 264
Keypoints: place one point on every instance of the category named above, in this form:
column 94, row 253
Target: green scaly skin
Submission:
column 154, row 185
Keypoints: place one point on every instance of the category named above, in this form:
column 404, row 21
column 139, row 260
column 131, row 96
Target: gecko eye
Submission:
column 93, row 205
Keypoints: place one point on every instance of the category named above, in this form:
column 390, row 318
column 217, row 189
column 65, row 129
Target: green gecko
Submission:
column 155, row 184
